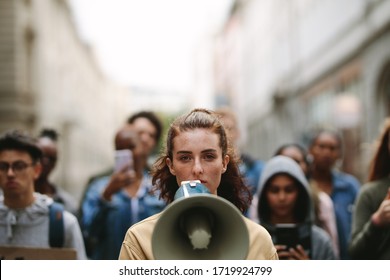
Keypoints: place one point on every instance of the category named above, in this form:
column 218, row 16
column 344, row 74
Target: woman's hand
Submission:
column 118, row 180
column 297, row 253
column 381, row 217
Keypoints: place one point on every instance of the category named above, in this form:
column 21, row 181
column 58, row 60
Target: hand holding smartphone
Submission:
column 123, row 158
column 123, row 163
column 291, row 235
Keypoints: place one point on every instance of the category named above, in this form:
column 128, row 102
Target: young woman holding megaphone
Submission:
column 204, row 220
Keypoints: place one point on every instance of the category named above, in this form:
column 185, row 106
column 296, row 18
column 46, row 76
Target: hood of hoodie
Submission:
column 31, row 215
column 284, row 165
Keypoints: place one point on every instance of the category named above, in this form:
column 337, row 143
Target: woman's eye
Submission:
column 210, row 156
column 184, row 158
column 290, row 189
column 274, row 190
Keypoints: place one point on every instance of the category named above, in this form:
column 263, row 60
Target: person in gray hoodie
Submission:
column 24, row 213
column 284, row 207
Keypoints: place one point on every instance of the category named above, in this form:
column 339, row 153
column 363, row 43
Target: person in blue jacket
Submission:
column 114, row 202
column 326, row 149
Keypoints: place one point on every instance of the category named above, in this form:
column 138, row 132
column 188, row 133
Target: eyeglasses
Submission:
column 17, row 166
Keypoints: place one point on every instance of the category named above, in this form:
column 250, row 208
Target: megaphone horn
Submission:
column 199, row 225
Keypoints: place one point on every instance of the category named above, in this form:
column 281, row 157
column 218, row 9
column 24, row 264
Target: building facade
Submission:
column 304, row 64
column 50, row 78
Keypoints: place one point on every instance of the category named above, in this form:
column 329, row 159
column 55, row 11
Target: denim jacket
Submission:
column 345, row 190
column 104, row 223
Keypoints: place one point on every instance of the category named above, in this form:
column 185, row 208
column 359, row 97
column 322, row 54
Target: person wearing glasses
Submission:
column 47, row 142
column 24, row 213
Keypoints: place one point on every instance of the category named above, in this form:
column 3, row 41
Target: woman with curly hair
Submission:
column 197, row 149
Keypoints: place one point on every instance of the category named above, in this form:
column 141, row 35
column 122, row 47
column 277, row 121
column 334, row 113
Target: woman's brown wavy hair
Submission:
column 232, row 186
column 380, row 163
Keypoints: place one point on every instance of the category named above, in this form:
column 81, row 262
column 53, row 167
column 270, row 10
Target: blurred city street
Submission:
column 286, row 67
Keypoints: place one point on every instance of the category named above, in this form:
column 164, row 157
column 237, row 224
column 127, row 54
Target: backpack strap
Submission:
column 56, row 225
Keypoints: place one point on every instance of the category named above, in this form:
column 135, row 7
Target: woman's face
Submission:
column 282, row 194
column 147, row 133
column 197, row 155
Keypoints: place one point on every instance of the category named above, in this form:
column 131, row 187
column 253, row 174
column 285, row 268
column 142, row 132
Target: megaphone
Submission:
column 200, row 226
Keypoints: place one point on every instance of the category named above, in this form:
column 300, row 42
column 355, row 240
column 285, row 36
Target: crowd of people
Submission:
column 295, row 205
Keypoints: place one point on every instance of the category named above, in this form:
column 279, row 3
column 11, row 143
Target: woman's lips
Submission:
column 11, row 184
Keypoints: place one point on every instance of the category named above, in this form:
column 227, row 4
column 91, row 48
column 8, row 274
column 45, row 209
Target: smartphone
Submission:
column 123, row 158
column 291, row 235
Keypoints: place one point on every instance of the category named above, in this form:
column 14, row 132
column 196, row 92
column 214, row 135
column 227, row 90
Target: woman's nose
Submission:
column 282, row 195
column 197, row 169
